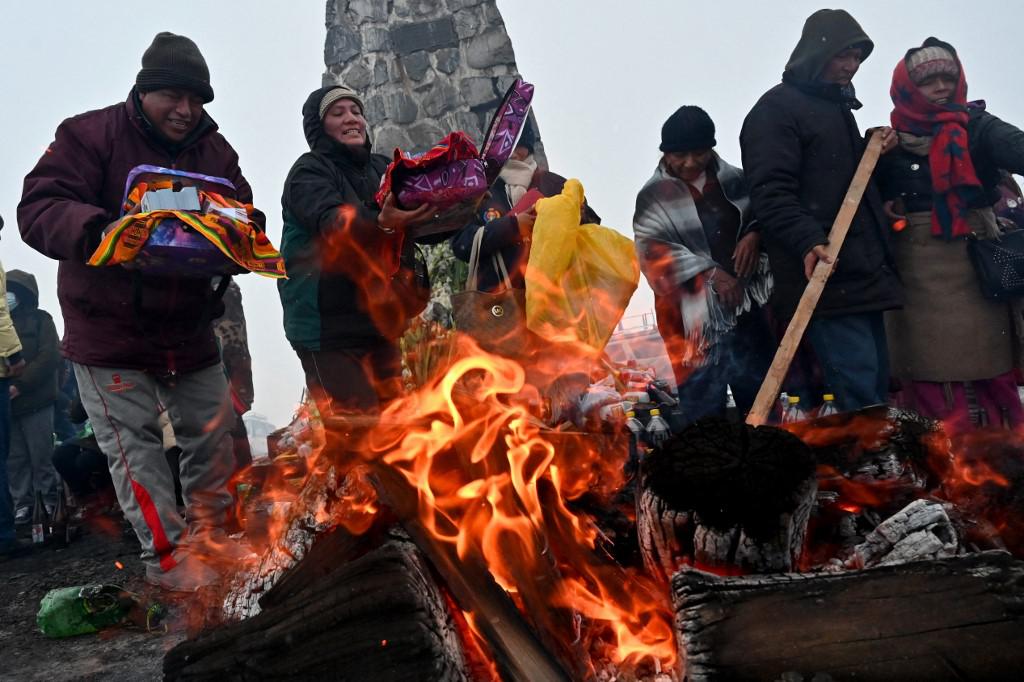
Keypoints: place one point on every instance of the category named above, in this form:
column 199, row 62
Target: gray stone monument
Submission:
column 425, row 68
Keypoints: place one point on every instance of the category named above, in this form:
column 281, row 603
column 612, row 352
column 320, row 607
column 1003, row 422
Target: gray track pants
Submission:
column 30, row 462
column 123, row 406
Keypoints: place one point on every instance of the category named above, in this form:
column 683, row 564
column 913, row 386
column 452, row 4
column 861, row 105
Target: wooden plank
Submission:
column 809, row 300
column 951, row 619
column 379, row 617
column 520, row 656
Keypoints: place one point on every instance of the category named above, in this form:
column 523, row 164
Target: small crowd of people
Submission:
column 726, row 250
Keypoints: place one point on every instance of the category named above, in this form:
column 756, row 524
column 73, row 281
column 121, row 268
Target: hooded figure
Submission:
column 801, row 147
column 33, row 395
column 948, row 336
column 353, row 282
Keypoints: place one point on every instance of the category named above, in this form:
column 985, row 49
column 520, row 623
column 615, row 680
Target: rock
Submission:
column 467, row 23
column 390, row 137
column 376, row 39
column 490, row 49
column 357, row 76
column 420, row 8
column 447, row 60
column 478, row 90
column 342, row 45
column 400, row 107
column 441, row 98
column 368, row 10
column 426, row 35
column 491, row 15
column 455, row 5
column 424, row 135
column 416, row 65
column 380, row 71
column 332, row 13
column 374, row 113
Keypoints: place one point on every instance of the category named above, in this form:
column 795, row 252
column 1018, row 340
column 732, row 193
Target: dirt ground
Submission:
column 121, row 653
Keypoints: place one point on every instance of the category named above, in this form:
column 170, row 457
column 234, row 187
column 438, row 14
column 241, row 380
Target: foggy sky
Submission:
column 607, row 74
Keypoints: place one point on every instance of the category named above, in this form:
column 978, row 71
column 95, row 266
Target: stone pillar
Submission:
column 425, row 68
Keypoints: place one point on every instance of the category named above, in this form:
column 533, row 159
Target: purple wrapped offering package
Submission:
column 444, row 186
column 174, row 249
column 505, row 127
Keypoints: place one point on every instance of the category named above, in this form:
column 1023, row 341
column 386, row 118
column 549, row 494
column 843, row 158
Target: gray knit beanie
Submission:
column 929, row 61
column 336, row 93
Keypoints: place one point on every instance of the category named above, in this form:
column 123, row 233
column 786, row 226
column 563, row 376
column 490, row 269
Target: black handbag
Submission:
column 496, row 320
column 999, row 264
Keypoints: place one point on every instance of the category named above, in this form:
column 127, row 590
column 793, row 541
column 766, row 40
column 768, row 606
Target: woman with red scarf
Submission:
column 953, row 349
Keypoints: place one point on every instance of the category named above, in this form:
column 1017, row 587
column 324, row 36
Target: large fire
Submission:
column 495, row 484
column 492, row 484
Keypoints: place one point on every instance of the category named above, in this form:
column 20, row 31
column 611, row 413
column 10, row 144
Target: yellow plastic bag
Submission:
column 579, row 278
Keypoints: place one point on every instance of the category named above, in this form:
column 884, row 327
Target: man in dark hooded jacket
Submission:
column 353, row 281
column 801, row 147
column 141, row 342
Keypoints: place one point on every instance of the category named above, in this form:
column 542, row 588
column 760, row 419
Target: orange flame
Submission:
column 492, row 484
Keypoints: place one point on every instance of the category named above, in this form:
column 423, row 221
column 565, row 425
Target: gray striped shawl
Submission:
column 673, row 249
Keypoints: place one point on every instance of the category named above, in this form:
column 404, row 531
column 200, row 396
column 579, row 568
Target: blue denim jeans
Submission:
column 854, row 357
column 745, row 354
column 6, row 503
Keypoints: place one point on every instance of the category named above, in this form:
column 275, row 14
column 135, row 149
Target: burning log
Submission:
column 520, row 655
column 921, row 531
column 378, row 617
column 727, row 496
column 949, row 619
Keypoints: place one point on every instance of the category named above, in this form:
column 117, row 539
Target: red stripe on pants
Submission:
column 161, row 544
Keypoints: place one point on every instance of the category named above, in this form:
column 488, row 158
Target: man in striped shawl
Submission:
column 701, row 253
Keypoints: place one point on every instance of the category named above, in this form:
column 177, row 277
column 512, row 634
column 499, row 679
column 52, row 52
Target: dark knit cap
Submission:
column 688, row 129
column 174, row 61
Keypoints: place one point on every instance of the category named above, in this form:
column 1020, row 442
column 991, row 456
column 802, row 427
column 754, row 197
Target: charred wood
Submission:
column 378, row 617
column 725, row 495
column 948, row 619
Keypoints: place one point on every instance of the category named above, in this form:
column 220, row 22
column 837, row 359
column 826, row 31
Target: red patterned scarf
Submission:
column 954, row 181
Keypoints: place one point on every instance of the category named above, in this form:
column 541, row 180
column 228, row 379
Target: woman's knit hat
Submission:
column 336, row 93
column 929, row 61
column 174, row 61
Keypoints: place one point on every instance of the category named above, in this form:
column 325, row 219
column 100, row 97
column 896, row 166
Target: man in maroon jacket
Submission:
column 140, row 341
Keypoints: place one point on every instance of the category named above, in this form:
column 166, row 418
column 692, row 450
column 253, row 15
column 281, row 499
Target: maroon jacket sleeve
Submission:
column 60, row 214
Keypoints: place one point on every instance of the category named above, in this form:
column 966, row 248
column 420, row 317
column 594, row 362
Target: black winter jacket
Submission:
column 993, row 145
column 325, row 307
column 801, row 147
column 37, row 384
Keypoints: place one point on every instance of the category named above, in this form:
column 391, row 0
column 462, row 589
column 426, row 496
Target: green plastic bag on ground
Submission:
column 579, row 278
column 70, row 611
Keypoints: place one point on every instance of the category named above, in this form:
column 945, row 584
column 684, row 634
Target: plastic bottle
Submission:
column 794, row 413
column 39, row 520
column 657, row 429
column 828, row 408
column 59, row 527
column 636, row 435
